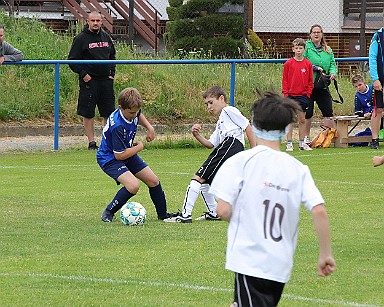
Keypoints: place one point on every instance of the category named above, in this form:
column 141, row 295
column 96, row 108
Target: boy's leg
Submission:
column 210, row 203
column 375, row 127
column 191, row 195
column 156, row 192
column 289, row 145
column 130, row 188
column 302, row 142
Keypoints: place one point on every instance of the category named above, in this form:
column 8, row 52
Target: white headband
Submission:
column 270, row 135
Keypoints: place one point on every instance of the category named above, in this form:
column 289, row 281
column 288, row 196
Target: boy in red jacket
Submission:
column 297, row 84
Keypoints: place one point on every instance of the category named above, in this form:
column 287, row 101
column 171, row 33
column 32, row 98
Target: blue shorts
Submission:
column 115, row 168
column 302, row 100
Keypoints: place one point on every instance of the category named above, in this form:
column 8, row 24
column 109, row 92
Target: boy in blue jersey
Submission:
column 365, row 106
column 118, row 155
column 363, row 97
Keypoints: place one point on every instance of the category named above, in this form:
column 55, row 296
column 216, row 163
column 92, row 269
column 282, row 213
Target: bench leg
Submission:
column 342, row 133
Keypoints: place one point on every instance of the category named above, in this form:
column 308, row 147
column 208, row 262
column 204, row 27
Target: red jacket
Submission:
column 297, row 78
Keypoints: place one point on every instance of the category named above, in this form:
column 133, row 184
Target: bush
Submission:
column 255, row 42
column 175, row 3
column 193, row 8
column 173, row 12
column 181, row 28
column 216, row 46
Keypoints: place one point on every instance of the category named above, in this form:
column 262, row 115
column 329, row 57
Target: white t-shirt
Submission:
column 231, row 123
column 266, row 189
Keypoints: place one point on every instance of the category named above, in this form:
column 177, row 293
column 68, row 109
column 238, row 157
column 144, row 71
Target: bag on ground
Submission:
column 324, row 138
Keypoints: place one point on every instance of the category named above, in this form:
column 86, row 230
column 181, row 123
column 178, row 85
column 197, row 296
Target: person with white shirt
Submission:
column 262, row 200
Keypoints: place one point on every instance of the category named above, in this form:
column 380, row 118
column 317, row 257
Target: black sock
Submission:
column 119, row 200
column 158, row 199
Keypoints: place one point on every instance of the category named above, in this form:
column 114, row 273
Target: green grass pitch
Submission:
column 55, row 251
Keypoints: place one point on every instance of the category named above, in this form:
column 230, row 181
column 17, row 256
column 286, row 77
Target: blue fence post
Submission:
column 232, row 85
column 56, row 106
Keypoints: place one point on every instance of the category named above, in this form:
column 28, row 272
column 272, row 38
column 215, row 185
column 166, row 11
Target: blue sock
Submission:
column 119, row 200
column 158, row 199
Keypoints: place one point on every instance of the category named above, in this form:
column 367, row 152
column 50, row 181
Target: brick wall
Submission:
column 279, row 45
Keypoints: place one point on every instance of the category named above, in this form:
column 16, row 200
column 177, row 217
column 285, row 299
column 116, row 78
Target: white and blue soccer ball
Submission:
column 133, row 214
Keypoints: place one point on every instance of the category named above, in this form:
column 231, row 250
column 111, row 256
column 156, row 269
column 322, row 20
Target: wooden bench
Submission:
column 343, row 137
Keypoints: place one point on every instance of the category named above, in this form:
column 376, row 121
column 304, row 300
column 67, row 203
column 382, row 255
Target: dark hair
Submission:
column 215, row 92
column 2, row 26
column 129, row 98
column 274, row 112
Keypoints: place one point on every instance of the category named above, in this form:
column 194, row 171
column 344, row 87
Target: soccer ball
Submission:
column 133, row 214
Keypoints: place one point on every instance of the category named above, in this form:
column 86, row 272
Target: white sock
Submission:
column 209, row 199
column 191, row 196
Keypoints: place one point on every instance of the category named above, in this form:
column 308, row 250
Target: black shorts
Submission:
column 94, row 93
column 379, row 99
column 254, row 291
column 323, row 99
column 302, row 100
column 229, row 147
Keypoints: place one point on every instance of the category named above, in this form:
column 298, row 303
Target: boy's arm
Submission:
column 129, row 152
column 224, row 210
column 196, row 133
column 251, row 136
column 326, row 264
column 150, row 130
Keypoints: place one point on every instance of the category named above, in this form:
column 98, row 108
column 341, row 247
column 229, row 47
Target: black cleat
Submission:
column 107, row 216
column 92, row 146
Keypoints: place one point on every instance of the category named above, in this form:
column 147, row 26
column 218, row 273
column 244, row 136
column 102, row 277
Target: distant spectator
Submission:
column 323, row 61
column 363, row 97
column 95, row 80
column 8, row 53
column 297, row 84
column 377, row 75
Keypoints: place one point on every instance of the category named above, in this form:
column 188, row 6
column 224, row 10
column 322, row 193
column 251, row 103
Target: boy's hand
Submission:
column 150, row 135
column 326, row 266
column 196, row 129
column 367, row 115
column 377, row 85
column 377, row 160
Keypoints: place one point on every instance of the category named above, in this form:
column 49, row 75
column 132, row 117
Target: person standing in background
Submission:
column 377, row 75
column 297, row 84
column 95, row 80
column 323, row 62
column 8, row 53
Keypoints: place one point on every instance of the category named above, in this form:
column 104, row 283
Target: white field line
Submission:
column 185, row 286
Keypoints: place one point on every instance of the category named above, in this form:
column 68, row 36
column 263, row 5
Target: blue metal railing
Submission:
column 233, row 63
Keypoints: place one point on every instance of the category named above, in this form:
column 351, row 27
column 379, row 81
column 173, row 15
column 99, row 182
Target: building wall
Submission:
column 297, row 16
column 279, row 45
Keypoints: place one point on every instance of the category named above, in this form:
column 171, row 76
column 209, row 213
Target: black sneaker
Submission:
column 107, row 216
column 207, row 216
column 167, row 216
column 92, row 146
column 375, row 144
column 179, row 218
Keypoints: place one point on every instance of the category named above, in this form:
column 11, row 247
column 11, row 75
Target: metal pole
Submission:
column 362, row 27
column 232, row 86
column 131, row 26
column 56, row 107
